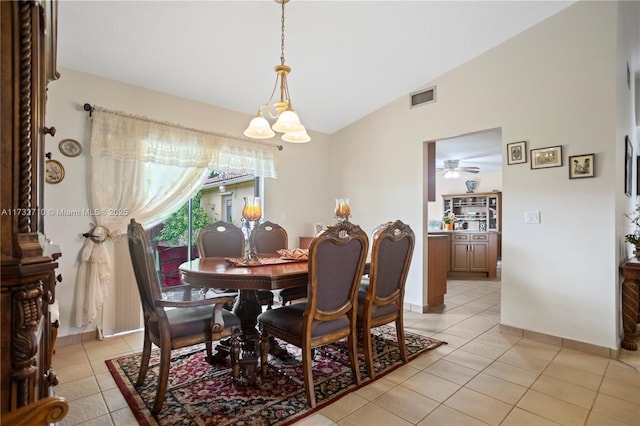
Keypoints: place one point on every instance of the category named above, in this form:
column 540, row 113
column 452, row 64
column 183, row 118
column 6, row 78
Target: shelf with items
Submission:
column 477, row 211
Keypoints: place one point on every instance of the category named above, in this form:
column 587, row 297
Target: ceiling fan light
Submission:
column 259, row 129
column 296, row 137
column 288, row 122
column 450, row 174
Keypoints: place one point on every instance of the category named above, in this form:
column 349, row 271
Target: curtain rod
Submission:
column 90, row 108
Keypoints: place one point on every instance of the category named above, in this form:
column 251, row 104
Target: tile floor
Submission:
column 482, row 377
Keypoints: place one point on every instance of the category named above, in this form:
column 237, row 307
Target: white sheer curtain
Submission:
column 146, row 169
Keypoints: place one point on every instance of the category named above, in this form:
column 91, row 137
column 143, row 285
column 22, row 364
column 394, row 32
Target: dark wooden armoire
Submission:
column 27, row 277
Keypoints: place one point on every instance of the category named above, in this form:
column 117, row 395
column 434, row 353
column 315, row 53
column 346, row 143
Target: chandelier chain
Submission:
column 282, row 36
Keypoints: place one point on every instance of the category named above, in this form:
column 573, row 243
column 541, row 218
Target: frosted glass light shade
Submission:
column 259, row 129
column 297, row 137
column 288, row 122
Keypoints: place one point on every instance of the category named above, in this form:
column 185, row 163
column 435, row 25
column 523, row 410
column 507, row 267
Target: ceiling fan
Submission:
column 452, row 168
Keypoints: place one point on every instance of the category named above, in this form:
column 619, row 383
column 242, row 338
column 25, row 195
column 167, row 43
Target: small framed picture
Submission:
column 70, row 147
column 542, row 158
column 582, row 166
column 318, row 227
column 517, row 152
column 54, row 171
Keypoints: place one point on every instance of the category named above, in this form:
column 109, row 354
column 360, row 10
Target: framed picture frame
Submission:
column 517, row 152
column 628, row 166
column 70, row 147
column 542, row 158
column 54, row 171
column 582, row 166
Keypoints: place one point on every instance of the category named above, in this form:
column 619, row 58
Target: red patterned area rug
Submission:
column 201, row 394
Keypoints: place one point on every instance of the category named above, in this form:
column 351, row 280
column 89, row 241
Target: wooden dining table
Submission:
column 219, row 273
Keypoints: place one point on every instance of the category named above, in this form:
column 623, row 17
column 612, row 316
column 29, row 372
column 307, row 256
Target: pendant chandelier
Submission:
column 288, row 121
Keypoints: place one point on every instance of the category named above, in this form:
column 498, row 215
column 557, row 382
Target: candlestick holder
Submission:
column 251, row 213
column 342, row 211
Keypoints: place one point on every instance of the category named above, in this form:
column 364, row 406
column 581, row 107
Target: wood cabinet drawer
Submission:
column 459, row 237
column 479, row 237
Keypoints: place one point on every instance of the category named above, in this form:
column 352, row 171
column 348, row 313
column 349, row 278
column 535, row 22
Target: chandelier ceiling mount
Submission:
column 287, row 120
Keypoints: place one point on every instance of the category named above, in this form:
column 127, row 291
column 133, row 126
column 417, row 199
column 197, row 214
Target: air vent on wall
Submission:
column 423, row 97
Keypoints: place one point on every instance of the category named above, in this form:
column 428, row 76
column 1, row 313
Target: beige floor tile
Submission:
column 519, row 417
column 85, row 409
column 108, row 348
column 124, row 417
column 566, row 391
column 446, row 416
column 497, row 388
column 375, row 389
column 518, row 359
column 479, row 406
column 494, row 337
column 343, row 407
column 573, row 375
column 453, row 342
column 464, row 332
column 453, row 372
column 315, row 420
column 597, row 419
column 114, row 399
column 431, row 386
column 582, row 361
column 69, row 356
column 401, row 374
column 468, row 359
column 621, row 390
column 536, row 349
column 407, row 404
column 512, row 373
column 70, row 373
column 373, row 415
column 78, row 388
column 485, row 350
column 105, row 381
column 553, row 408
column 427, row 359
column 623, row 373
column 623, row 411
column 105, row 420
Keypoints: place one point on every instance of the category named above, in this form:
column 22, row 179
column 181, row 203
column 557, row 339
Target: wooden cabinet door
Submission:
column 459, row 256
column 478, row 255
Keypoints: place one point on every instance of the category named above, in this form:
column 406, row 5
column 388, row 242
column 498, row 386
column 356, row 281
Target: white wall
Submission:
column 299, row 197
column 554, row 84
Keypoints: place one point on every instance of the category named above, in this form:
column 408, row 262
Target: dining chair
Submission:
column 224, row 239
column 270, row 237
column 173, row 324
column 380, row 301
column 336, row 262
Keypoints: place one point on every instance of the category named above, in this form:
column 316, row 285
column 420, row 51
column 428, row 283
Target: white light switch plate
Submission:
column 532, row 217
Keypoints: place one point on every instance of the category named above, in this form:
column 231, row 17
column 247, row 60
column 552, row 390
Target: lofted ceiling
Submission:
column 348, row 58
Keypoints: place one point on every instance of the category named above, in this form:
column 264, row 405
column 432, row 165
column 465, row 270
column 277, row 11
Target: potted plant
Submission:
column 448, row 220
column 634, row 238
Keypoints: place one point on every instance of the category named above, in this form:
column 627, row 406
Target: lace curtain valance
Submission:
column 122, row 136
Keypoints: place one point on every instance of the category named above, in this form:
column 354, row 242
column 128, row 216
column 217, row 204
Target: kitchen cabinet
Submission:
column 438, row 266
column 474, row 253
column 475, row 211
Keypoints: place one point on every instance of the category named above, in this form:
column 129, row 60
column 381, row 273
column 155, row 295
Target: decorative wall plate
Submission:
column 54, row 171
column 70, row 147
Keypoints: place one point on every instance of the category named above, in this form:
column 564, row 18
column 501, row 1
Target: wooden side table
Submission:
column 630, row 300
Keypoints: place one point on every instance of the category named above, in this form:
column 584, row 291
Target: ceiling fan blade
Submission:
column 468, row 169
